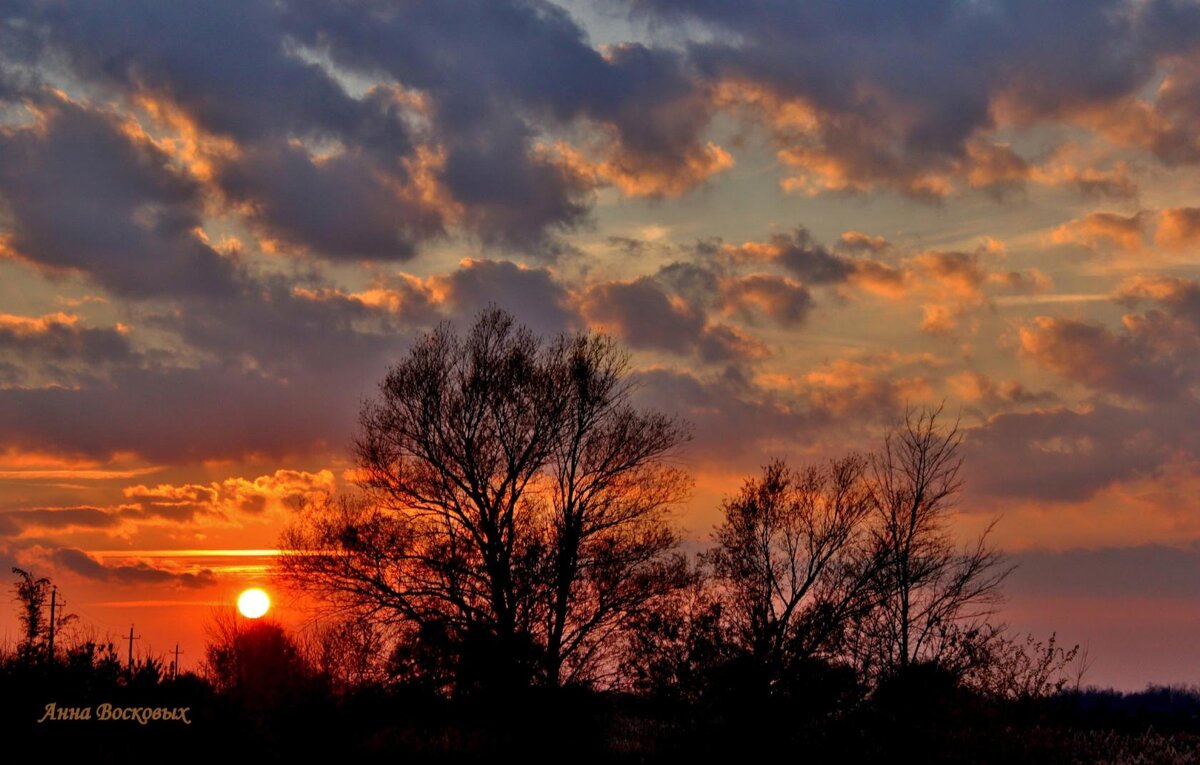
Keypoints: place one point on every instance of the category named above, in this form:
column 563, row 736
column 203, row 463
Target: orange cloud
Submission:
column 425, row 190
column 939, row 319
column 857, row 241
column 978, row 388
column 1170, row 290
column 262, row 495
column 640, row 176
column 1069, row 166
column 27, row 326
column 1029, row 282
column 856, row 383
column 174, row 132
column 785, row 300
column 1178, row 228
column 957, row 273
column 881, row 279
column 1103, row 229
column 990, row 165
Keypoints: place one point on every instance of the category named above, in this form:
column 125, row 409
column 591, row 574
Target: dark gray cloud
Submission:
column 1148, row 364
column 84, row 516
column 645, row 314
column 492, row 77
column 811, row 261
column 1153, row 571
column 1179, row 297
column 80, row 194
column 1068, row 455
column 134, row 574
column 531, row 294
column 1151, row 357
column 900, row 91
column 739, row 423
column 183, row 414
column 734, row 423
column 57, row 349
column 343, row 206
column 783, row 300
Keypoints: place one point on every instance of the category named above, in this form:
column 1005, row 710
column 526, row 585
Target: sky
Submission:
column 221, row 221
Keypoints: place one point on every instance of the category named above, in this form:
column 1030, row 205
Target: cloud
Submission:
column 1067, row 455
column 1140, row 379
column 294, row 113
column 282, row 490
column 957, row 274
column 871, row 387
column 1154, row 571
column 645, row 316
column 58, row 519
column 1102, row 229
column 83, row 195
column 57, row 348
column 1178, row 228
column 640, row 108
column 978, row 389
column 786, row 301
column 735, row 423
column 533, row 295
column 341, row 206
column 1179, row 296
column 743, row 416
column 862, row 95
column 950, row 284
column 175, row 415
column 857, row 242
column 1171, row 229
column 800, row 255
column 1151, row 358
column 1070, row 165
column 138, row 573
column 233, row 501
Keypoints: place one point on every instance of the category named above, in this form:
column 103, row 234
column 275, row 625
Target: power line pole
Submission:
column 131, row 639
column 175, row 666
column 53, row 604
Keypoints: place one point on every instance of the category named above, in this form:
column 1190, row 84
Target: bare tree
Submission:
column 1009, row 667
column 932, row 596
column 514, row 504
column 791, row 560
column 348, row 653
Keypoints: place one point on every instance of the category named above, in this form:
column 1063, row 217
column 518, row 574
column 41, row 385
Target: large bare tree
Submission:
column 933, row 597
column 791, row 559
column 514, row 504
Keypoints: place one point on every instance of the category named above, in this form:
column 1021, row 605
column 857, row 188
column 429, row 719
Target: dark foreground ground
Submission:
column 923, row 718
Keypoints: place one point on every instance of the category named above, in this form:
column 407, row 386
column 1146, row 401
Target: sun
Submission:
column 253, row 603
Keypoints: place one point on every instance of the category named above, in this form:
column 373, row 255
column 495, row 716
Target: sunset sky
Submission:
column 221, row 221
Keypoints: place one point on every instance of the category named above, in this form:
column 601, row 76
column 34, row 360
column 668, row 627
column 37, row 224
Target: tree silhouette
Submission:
column 791, row 560
column 257, row 661
column 513, row 513
column 933, row 599
column 33, row 595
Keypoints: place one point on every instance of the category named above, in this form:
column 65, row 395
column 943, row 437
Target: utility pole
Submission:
column 175, row 666
column 131, row 639
column 53, row 603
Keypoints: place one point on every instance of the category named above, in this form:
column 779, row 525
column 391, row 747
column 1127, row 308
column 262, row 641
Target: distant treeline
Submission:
column 279, row 706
